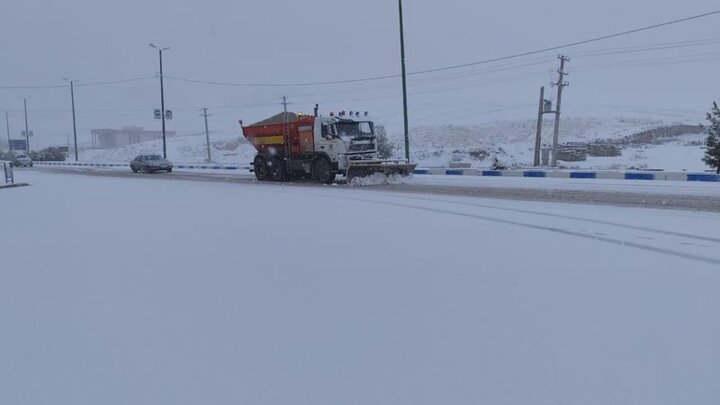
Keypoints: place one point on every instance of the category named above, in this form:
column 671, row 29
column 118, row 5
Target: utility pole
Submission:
column 162, row 98
column 207, row 133
column 27, row 133
column 7, row 125
column 404, row 82
column 286, row 137
column 72, row 100
column 538, row 135
column 561, row 83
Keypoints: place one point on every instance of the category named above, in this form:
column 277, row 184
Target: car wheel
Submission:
column 169, row 170
column 134, row 169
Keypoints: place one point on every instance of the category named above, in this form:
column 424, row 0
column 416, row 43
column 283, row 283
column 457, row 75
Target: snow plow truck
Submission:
column 295, row 146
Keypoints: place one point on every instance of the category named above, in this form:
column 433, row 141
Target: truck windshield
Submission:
column 354, row 128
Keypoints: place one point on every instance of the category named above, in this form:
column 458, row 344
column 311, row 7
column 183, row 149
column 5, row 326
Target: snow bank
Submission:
column 377, row 179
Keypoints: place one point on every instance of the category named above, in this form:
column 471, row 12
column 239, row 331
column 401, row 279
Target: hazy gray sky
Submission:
column 276, row 41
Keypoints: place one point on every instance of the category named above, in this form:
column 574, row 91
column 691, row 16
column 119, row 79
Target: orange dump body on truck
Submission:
column 268, row 136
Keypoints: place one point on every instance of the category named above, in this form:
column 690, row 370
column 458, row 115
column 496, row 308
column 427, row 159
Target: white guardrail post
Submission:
column 8, row 170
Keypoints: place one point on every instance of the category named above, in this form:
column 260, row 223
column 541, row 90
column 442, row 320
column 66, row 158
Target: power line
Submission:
column 139, row 110
column 458, row 66
column 450, row 87
column 648, row 48
column 90, row 84
column 465, row 85
column 108, row 83
column 390, row 76
column 657, row 61
column 573, row 44
column 54, row 86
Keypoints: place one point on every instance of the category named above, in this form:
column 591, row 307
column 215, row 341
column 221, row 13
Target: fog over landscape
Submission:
column 494, row 255
column 669, row 72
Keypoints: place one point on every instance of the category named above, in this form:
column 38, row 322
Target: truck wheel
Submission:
column 321, row 172
column 260, row 167
column 277, row 169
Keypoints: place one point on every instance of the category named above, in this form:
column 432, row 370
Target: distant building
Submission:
column 105, row 138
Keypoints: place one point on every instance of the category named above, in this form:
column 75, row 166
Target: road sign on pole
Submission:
column 18, row 144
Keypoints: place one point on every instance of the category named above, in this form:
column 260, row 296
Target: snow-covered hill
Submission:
column 511, row 142
column 224, row 148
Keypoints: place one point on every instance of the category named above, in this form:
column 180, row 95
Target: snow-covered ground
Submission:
column 681, row 154
column 224, row 148
column 510, row 141
column 145, row 291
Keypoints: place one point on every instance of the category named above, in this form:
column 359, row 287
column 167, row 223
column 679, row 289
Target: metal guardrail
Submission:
column 574, row 174
column 534, row 173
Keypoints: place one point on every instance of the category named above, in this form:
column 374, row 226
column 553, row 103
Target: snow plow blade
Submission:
column 387, row 167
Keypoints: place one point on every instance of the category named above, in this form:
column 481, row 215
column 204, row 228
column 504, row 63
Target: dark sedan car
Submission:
column 150, row 163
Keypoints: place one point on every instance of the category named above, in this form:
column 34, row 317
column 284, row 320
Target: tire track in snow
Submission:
column 591, row 236
column 404, row 194
column 570, row 217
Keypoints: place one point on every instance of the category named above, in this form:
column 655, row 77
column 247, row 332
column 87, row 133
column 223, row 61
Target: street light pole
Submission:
column 207, row 133
column 27, row 133
column 162, row 98
column 72, row 100
column 404, row 82
column 7, row 126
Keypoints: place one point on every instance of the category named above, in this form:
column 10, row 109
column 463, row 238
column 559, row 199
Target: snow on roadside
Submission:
column 511, row 142
column 377, row 179
column 682, row 154
column 186, row 149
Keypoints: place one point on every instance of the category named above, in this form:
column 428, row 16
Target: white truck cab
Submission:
column 345, row 140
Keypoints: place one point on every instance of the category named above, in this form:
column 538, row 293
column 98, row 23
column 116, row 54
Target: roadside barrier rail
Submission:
column 533, row 173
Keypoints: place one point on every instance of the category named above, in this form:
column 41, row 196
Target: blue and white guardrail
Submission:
column 537, row 173
column 575, row 174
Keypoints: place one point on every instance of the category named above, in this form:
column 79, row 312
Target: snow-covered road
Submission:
column 129, row 291
column 697, row 196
